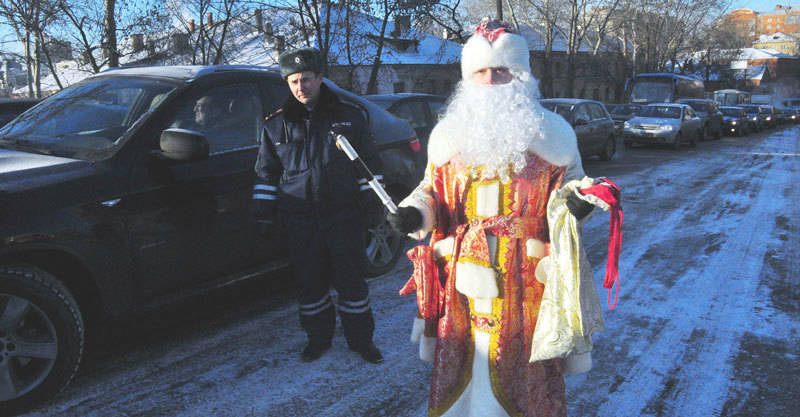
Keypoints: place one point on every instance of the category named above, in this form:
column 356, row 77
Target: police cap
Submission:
column 299, row 60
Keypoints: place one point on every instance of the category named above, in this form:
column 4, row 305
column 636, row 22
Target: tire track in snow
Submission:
column 660, row 369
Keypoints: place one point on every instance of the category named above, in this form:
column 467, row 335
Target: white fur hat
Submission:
column 493, row 45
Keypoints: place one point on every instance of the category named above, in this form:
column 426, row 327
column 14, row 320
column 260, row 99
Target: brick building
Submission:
column 754, row 24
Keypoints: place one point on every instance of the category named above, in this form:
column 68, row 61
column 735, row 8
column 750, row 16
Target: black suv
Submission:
column 593, row 126
column 115, row 198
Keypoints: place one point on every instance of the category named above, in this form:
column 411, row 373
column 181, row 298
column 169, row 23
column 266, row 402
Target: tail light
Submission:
column 413, row 142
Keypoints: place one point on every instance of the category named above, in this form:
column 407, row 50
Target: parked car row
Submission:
column 109, row 206
column 692, row 120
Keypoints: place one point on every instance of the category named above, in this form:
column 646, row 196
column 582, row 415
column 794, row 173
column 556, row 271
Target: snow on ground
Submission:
column 706, row 325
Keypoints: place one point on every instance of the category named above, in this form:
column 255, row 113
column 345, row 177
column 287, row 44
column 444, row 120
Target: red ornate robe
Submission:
column 489, row 236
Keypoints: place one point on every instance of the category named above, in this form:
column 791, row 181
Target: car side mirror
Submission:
column 580, row 122
column 183, row 145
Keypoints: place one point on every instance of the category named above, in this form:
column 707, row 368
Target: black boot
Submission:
column 369, row 352
column 314, row 351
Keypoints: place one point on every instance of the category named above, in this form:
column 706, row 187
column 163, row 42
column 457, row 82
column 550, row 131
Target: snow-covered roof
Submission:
column 777, row 37
column 762, row 53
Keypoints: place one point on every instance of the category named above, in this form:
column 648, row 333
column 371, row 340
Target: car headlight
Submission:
column 769, row 118
column 755, row 118
column 733, row 122
column 626, row 125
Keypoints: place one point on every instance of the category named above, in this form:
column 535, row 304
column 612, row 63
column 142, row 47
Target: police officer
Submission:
column 323, row 201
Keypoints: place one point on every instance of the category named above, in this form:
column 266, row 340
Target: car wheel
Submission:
column 384, row 247
column 676, row 143
column 609, row 149
column 41, row 336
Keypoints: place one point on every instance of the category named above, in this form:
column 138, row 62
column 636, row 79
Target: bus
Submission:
column 663, row 88
column 731, row 97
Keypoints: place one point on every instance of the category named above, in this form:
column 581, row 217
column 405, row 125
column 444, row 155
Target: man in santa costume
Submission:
column 499, row 164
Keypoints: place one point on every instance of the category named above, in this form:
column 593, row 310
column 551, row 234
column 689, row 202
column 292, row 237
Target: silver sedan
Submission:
column 664, row 123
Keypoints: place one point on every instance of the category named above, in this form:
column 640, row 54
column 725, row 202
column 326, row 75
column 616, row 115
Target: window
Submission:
column 413, row 112
column 597, row 111
column 230, row 116
column 582, row 113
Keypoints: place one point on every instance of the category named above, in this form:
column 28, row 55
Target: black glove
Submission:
column 578, row 207
column 371, row 209
column 407, row 220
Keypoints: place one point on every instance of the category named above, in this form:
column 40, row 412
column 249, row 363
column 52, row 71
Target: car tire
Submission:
column 383, row 248
column 41, row 336
column 676, row 143
column 609, row 149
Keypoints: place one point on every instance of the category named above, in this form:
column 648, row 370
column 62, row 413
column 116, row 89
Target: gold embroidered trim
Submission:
column 488, row 323
column 476, row 261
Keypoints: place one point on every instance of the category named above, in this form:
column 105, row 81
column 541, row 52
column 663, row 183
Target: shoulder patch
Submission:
column 275, row 113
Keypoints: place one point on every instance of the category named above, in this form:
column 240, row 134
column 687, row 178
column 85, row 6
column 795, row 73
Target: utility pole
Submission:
column 499, row 4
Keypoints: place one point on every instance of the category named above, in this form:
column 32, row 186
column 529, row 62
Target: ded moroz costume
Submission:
column 501, row 170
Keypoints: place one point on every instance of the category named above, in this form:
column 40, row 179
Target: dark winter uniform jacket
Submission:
column 299, row 168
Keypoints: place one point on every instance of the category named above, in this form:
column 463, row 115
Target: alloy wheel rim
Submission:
column 28, row 346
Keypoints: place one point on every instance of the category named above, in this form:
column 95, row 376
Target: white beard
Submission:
column 493, row 126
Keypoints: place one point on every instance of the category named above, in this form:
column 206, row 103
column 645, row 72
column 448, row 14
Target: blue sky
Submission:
column 762, row 5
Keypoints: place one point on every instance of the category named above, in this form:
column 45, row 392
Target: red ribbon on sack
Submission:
column 609, row 193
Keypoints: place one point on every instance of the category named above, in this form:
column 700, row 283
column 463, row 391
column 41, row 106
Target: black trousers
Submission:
column 325, row 253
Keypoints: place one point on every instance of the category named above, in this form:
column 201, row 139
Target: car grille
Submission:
column 645, row 126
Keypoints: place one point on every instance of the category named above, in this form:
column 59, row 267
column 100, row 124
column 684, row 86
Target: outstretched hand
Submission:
column 406, row 220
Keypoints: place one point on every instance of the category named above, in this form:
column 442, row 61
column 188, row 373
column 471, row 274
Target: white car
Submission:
column 664, row 123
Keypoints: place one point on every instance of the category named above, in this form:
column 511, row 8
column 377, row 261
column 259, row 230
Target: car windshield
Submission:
column 625, row 109
column 662, row 112
column 562, row 109
column 649, row 91
column 87, row 120
column 698, row 105
column 731, row 112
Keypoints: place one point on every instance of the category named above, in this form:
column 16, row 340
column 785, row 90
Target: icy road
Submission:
column 708, row 321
